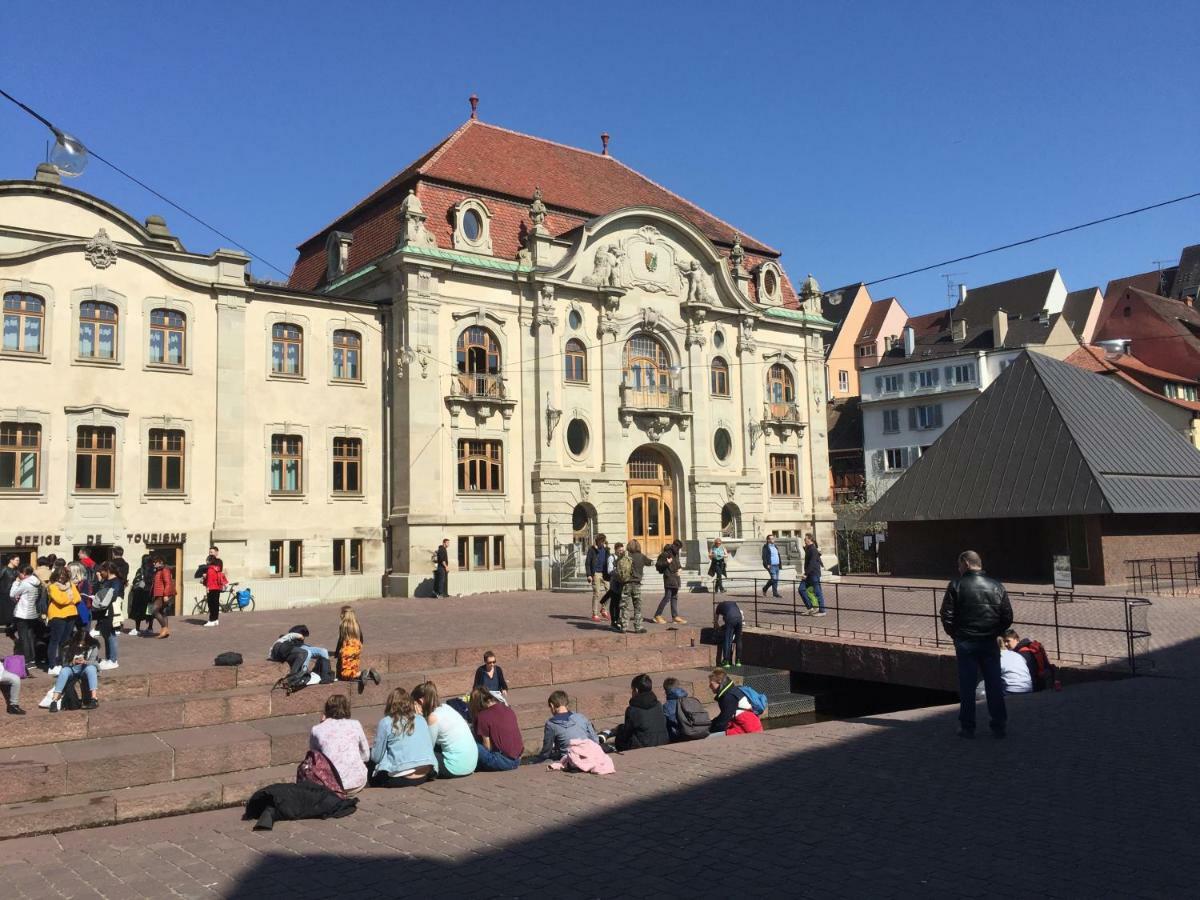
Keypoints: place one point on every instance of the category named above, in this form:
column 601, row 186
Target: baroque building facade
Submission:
column 512, row 344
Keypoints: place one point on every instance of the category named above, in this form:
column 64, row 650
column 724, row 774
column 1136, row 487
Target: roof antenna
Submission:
column 474, row 101
column 604, row 143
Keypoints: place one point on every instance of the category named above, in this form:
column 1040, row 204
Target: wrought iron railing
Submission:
column 783, row 412
column 652, row 397
column 474, row 384
column 1085, row 629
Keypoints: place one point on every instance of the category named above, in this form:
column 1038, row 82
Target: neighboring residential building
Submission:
column 1081, row 309
column 880, row 332
column 158, row 399
column 1160, row 332
column 946, row 359
column 847, row 475
column 1052, row 460
column 847, row 308
column 1174, row 399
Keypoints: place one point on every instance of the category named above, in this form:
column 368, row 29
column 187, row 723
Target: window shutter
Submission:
column 878, row 384
column 935, row 375
column 949, row 375
column 912, row 379
column 912, row 418
column 878, row 460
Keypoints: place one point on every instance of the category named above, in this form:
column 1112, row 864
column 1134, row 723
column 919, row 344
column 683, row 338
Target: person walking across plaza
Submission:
column 668, row 564
column 771, row 561
column 812, row 578
column 975, row 612
column 596, row 569
column 613, row 598
column 162, row 592
column 631, row 588
column 441, row 570
column 716, row 566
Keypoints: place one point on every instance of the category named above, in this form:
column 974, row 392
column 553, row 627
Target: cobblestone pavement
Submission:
column 1093, row 794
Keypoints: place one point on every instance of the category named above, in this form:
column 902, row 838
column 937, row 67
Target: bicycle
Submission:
column 227, row 601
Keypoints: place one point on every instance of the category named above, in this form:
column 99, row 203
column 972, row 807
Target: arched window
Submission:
column 731, row 521
column 576, row 361
column 287, row 349
column 168, row 337
column 647, row 373
column 719, row 378
column 477, row 356
column 97, row 330
column 347, row 355
column 24, row 319
column 781, row 390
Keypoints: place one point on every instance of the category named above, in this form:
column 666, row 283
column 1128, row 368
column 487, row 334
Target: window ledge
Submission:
column 98, row 362
column 168, row 367
column 18, row 493
column 583, row 383
column 479, row 493
column 17, row 356
column 95, row 494
column 274, row 496
column 164, row 495
column 282, row 376
column 344, row 496
column 347, row 382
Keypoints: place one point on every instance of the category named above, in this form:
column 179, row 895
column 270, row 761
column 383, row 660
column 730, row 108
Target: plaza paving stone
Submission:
column 1093, row 794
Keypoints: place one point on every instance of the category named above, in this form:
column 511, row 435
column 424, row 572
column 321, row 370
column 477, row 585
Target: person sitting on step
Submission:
column 402, row 755
column 562, row 727
column 84, row 652
column 453, row 744
column 500, row 744
column 349, row 651
column 645, row 724
column 491, row 677
column 343, row 742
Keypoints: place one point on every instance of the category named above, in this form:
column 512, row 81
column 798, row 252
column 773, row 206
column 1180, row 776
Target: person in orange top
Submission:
column 349, row 651
column 162, row 592
column 62, row 616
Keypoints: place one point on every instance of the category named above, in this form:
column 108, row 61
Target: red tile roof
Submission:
column 503, row 167
column 1094, row 359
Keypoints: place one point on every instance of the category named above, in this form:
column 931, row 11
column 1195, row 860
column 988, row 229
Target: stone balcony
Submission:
column 480, row 395
column 655, row 409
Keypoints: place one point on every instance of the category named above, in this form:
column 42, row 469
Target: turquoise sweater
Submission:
column 395, row 752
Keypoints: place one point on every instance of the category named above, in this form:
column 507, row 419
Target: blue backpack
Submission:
column 758, row 700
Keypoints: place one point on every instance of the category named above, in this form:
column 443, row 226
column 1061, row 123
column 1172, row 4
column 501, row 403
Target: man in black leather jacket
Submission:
column 975, row 613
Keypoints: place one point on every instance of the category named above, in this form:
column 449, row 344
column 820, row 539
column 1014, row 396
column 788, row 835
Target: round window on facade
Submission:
column 472, row 225
column 575, row 319
column 770, row 283
column 722, row 444
column 577, row 437
column 718, row 339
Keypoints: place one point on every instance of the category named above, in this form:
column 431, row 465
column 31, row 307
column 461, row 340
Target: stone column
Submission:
column 701, row 428
column 229, row 524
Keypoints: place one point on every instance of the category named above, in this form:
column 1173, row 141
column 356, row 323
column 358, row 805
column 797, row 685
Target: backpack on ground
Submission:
column 624, row 569
column 758, row 700
column 1044, row 672
column 228, row 658
column 693, row 719
column 317, row 769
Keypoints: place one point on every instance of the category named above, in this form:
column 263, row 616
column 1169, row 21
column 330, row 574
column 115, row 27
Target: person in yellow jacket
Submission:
column 63, row 616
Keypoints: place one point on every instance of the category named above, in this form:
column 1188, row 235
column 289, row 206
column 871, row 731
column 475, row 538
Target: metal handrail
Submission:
column 1172, row 574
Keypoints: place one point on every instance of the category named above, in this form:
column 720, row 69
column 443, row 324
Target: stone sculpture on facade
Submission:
column 698, row 288
column 100, row 251
column 606, row 267
column 736, row 253
column 553, row 415
column 745, row 341
column 414, row 231
column 537, row 212
column 545, row 309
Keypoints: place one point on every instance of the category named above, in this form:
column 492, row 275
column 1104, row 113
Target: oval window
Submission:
column 718, row 339
column 722, row 444
column 575, row 319
column 577, row 437
column 770, row 283
column 472, row 225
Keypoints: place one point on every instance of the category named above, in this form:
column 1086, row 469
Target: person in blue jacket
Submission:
column 771, row 561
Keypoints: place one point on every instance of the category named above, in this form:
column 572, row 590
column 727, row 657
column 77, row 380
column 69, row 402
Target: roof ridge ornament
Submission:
column 736, row 253
column 413, row 216
column 604, row 143
column 474, row 101
column 537, row 212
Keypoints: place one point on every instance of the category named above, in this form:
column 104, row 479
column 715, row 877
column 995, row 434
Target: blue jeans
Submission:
column 494, row 761
column 815, row 584
column 773, row 581
column 84, row 670
column 731, row 634
column 60, row 630
column 974, row 656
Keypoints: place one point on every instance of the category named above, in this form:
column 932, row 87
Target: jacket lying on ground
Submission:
column 976, row 608
column 281, row 802
column 585, row 756
column 645, row 725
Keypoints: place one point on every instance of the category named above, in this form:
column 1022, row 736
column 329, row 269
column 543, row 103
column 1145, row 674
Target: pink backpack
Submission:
column 317, row 769
column 585, row 756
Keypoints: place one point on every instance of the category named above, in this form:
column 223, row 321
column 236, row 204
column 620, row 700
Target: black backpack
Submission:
column 662, row 563
column 228, row 658
column 693, row 719
column 42, row 604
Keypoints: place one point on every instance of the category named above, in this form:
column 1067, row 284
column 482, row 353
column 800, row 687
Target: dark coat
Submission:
column 812, row 561
column 281, row 802
column 671, row 575
column 596, row 561
column 443, row 558
column 766, row 555
column 728, row 697
column 976, row 608
column 7, row 577
column 645, row 724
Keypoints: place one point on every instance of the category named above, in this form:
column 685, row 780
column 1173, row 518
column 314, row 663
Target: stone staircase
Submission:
column 169, row 743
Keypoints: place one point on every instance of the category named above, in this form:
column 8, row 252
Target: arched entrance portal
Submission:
column 651, row 513
column 583, row 526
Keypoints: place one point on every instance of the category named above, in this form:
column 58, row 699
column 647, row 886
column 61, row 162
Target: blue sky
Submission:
column 861, row 139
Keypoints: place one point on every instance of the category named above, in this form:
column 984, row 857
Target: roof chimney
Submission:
column 47, row 173
column 474, row 101
column 604, row 143
column 910, row 341
column 958, row 330
column 962, row 293
column 999, row 327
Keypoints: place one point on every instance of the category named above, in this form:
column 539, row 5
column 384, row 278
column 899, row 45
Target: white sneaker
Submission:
column 106, row 664
column 133, row 632
column 94, row 633
column 212, row 624
column 55, row 670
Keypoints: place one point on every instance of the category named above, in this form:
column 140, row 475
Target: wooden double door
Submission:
column 650, row 510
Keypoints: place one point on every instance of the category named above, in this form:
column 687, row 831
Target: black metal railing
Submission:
column 1085, row 629
column 1168, row 575
column 474, row 385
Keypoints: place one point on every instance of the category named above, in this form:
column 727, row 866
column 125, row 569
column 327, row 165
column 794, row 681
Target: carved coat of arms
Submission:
column 651, row 260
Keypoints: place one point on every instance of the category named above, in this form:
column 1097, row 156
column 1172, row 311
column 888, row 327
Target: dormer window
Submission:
column 472, row 226
column 770, row 284
column 337, row 254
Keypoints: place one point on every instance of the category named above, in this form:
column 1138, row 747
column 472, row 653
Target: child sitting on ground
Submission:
column 349, row 651
column 562, row 727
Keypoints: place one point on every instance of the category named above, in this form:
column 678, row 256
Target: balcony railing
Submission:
column 783, row 412
column 670, row 398
column 477, row 385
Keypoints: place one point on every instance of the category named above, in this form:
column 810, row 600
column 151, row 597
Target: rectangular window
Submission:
column 843, row 380
column 464, row 545
column 896, row 459
column 347, row 352
column 891, row 384
column 20, row 454
column 927, row 378
column 287, row 558
column 95, row 458
column 784, row 482
column 964, row 374
column 276, row 558
column 347, row 465
column 480, row 466
column 891, row 421
column 480, row 552
column 295, row 561
column 347, row 557
column 24, row 315
column 865, row 349
column 168, row 330
column 929, row 416
column 165, row 461
column 498, row 552
column 287, row 464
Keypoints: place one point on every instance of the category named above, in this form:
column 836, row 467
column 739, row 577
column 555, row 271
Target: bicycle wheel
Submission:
column 201, row 607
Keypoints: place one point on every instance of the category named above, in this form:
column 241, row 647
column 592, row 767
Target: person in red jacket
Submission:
column 214, row 582
column 162, row 592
